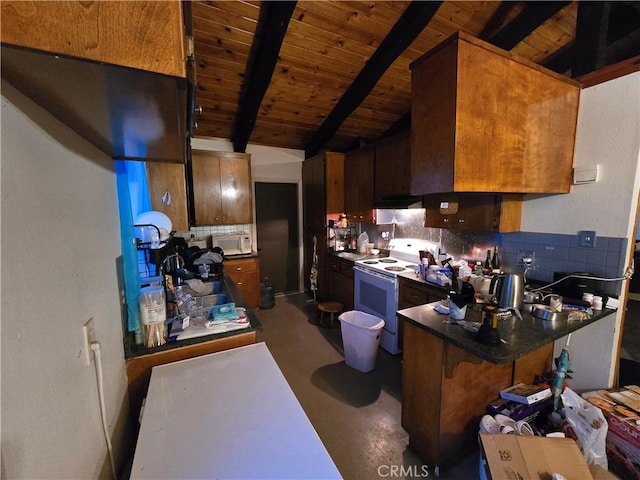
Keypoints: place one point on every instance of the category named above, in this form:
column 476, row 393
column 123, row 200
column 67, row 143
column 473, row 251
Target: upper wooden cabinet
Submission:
column 115, row 72
column 393, row 167
column 475, row 212
column 167, row 189
column 485, row 120
column 221, row 187
column 147, row 35
column 359, row 185
column 323, row 188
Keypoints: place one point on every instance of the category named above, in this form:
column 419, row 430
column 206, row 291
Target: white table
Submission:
column 227, row 415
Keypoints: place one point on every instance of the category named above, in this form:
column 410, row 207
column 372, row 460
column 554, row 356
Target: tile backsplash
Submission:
column 563, row 253
column 552, row 252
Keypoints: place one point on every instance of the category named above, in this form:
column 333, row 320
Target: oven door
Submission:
column 376, row 294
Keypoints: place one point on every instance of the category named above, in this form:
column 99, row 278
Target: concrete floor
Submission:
column 356, row 415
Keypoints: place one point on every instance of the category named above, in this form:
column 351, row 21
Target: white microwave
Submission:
column 233, row 243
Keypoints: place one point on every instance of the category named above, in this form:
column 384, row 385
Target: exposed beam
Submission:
column 272, row 25
column 531, row 17
column 496, row 22
column 590, row 43
column 412, row 21
column 401, row 125
column 560, row 61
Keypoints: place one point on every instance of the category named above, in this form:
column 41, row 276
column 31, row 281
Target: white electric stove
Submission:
column 376, row 284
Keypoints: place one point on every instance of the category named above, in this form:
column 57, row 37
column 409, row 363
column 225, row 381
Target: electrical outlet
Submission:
column 526, row 257
column 587, row 238
column 89, row 335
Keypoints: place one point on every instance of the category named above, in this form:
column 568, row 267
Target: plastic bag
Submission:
column 586, row 424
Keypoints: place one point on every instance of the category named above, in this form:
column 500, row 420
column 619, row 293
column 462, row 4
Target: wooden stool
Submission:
column 331, row 308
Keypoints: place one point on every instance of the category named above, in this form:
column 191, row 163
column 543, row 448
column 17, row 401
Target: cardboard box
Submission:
column 528, row 457
column 623, row 435
column 520, row 411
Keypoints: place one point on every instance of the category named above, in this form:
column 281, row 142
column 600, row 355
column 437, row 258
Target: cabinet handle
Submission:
column 239, row 283
column 445, row 220
column 238, row 269
column 461, row 220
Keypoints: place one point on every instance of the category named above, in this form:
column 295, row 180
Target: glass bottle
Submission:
column 487, row 262
column 495, row 261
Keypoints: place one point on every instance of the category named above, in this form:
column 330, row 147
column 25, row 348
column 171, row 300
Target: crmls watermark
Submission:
column 402, row 471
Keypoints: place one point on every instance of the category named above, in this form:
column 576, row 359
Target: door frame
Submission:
column 254, row 228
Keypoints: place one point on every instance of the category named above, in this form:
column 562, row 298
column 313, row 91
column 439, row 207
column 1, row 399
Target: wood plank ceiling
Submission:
column 334, row 75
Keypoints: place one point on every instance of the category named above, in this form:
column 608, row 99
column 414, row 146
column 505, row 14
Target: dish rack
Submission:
column 151, row 253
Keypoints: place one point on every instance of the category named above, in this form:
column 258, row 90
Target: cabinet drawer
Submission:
column 249, row 265
column 341, row 267
column 415, row 293
column 245, row 280
column 413, row 296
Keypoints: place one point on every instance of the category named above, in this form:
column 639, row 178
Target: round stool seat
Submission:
column 331, row 308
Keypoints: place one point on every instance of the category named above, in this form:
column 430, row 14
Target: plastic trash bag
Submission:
column 585, row 423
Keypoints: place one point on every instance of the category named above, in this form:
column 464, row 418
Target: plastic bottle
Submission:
column 267, row 295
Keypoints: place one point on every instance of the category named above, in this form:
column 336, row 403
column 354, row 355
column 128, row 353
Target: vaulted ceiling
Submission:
column 333, row 75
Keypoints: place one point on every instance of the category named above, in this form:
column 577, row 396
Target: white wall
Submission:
column 60, row 242
column 608, row 135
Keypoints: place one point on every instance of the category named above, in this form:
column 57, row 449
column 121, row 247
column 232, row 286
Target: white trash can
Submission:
column 360, row 338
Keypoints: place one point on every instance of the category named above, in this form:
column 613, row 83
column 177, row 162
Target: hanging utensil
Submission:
column 313, row 276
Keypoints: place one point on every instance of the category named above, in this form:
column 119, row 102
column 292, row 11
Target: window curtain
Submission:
column 133, row 199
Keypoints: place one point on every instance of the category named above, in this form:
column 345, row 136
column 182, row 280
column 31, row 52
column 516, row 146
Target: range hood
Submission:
column 399, row 201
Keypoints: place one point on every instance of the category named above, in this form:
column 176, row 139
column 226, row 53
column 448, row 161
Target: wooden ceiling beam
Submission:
column 531, row 17
column 272, row 25
column 412, row 21
column 590, row 44
column 560, row 61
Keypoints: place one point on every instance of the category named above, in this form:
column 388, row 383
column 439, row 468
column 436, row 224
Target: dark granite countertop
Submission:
column 132, row 350
column 522, row 336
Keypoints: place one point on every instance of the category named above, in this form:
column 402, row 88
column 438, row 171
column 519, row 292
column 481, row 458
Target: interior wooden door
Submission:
column 278, row 233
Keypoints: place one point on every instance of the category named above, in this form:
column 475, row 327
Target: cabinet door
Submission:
column 207, row 195
column 393, row 167
column 341, row 281
column 144, row 35
column 486, row 120
column 358, row 195
column 313, row 184
column 221, row 187
column 168, row 194
column 235, row 184
column 245, row 273
column 476, row 213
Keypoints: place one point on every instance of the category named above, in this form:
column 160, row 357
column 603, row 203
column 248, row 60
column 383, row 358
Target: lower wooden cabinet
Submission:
column 413, row 293
column 139, row 368
column 245, row 273
column 340, row 285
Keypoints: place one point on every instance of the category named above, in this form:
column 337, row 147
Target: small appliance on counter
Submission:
column 233, row 243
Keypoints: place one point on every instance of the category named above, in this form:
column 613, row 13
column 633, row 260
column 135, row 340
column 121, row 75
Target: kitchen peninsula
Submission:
column 448, row 377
